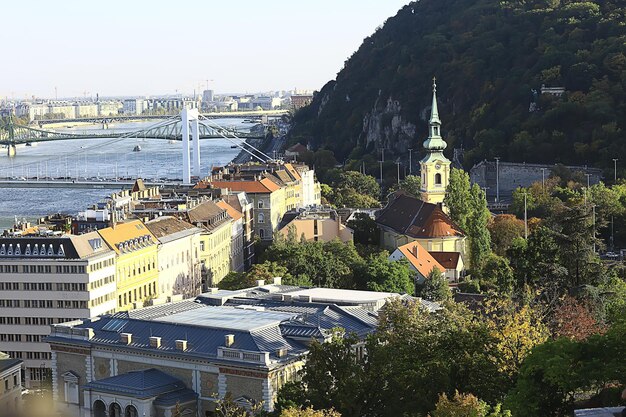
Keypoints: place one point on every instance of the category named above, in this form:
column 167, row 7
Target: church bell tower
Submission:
column 435, row 167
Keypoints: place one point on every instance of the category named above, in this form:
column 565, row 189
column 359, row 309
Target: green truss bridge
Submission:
column 12, row 134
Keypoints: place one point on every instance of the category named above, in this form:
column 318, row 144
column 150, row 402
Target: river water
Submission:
column 97, row 158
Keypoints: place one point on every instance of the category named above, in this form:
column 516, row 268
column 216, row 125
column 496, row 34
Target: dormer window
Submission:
column 18, row 251
column 27, row 251
column 36, row 250
column 3, row 249
column 50, row 250
column 61, row 250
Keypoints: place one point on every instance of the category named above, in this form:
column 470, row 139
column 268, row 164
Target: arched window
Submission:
column 437, row 179
column 261, row 204
column 262, row 233
column 115, row 410
column 261, row 218
column 99, row 409
column 131, row 411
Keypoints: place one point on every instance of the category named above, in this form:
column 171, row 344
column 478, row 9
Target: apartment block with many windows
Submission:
column 50, row 280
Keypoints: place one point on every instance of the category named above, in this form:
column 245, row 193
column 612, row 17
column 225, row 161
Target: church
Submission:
column 406, row 219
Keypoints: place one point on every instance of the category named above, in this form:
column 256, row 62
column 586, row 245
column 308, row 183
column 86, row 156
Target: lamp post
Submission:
column 543, row 179
column 525, row 217
column 615, row 169
column 497, row 158
column 410, row 161
column 398, row 164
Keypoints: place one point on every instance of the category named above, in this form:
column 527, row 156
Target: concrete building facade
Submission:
column 48, row 280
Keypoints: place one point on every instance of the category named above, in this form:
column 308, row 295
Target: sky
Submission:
column 137, row 47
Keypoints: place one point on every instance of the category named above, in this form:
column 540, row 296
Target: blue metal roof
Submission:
column 140, row 384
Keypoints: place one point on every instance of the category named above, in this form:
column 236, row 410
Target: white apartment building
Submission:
column 135, row 106
column 50, row 280
column 179, row 257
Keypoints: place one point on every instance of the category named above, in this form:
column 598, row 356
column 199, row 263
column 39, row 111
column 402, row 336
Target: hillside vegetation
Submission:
column 488, row 57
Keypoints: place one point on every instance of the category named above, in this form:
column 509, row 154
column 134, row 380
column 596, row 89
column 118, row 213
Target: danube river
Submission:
column 97, row 158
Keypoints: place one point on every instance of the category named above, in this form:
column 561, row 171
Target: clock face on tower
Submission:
column 438, row 166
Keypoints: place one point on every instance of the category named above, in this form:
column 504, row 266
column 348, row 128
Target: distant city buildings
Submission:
column 208, row 101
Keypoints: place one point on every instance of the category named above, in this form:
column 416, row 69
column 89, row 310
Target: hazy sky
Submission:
column 135, row 47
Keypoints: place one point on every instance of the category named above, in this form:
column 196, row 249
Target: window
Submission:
column 261, row 218
column 71, row 387
column 261, row 204
column 437, row 179
column 131, row 411
column 262, row 234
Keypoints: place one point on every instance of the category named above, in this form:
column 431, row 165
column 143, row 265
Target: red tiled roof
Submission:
column 449, row 260
column 232, row 212
column 420, row 258
column 413, row 217
column 262, row 186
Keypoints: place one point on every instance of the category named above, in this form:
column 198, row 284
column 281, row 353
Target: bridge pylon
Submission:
column 188, row 116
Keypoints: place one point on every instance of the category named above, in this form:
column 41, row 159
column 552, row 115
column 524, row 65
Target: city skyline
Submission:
column 75, row 51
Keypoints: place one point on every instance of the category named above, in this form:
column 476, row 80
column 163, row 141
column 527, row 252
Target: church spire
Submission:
column 434, row 111
column 434, row 142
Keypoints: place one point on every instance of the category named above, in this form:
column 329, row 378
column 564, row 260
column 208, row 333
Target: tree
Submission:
column 436, row 287
column 366, row 231
column 382, row 274
column 503, row 228
column 516, row 329
column 476, row 227
column 496, row 274
column 415, row 355
column 458, row 196
column 574, row 320
column 332, row 377
column 573, row 231
column 308, row 412
column 466, row 405
column 411, row 185
column 560, row 372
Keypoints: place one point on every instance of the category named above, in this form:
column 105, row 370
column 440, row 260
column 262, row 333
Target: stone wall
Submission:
column 102, row 368
column 514, row 175
column 239, row 385
column 70, row 362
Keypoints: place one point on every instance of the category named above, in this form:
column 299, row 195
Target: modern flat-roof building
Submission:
column 48, row 280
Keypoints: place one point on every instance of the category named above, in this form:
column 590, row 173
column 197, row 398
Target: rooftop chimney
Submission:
column 260, row 282
column 229, row 340
column 155, row 342
column 181, row 345
column 281, row 353
column 415, row 252
column 126, row 338
column 278, row 280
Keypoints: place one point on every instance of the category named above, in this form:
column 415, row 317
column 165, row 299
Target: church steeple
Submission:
column 435, row 166
column 434, row 142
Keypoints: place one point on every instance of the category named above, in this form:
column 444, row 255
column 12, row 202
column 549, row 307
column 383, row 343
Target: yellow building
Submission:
column 137, row 272
column 215, row 241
